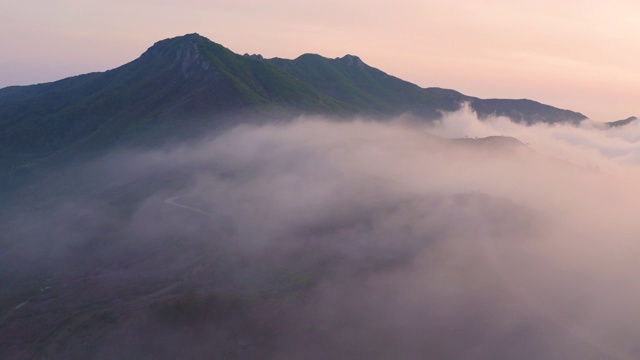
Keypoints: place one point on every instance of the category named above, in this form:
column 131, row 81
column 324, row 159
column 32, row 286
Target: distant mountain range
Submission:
column 189, row 82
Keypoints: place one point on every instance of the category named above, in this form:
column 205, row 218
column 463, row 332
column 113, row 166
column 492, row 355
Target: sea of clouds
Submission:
column 459, row 239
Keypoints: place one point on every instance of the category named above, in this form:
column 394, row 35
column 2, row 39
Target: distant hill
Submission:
column 190, row 82
column 619, row 123
column 524, row 111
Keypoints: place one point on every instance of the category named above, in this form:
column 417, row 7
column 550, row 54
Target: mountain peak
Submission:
column 351, row 60
column 179, row 45
column 186, row 53
column 254, row 56
column 184, row 39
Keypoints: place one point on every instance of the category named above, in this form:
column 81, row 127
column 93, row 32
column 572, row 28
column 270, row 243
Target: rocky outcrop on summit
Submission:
column 351, row 60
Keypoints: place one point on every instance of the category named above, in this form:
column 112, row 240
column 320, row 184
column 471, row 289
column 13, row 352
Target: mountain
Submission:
column 619, row 123
column 350, row 80
column 178, row 78
column 524, row 111
column 189, row 82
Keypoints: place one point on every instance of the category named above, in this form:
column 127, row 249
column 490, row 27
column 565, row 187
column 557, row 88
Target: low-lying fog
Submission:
column 334, row 240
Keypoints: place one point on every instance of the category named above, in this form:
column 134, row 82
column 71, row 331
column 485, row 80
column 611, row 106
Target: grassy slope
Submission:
column 370, row 90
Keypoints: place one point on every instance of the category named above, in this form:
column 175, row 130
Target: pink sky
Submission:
column 580, row 55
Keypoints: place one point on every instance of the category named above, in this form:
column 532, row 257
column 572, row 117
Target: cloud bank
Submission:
column 317, row 239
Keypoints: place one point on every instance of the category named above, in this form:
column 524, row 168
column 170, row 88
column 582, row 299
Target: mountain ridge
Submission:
column 619, row 123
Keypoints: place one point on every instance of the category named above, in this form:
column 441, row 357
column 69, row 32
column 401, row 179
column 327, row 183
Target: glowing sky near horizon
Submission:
column 579, row 55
